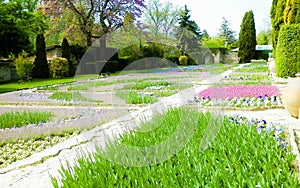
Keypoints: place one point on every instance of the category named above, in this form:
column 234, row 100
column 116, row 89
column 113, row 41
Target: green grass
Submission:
column 238, row 157
column 36, row 82
column 71, row 96
column 257, row 68
column 19, row 119
column 144, row 84
column 133, row 97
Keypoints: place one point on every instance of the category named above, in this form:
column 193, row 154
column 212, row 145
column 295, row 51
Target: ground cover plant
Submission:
column 242, row 155
column 133, row 97
column 239, row 96
column 254, row 67
column 247, row 77
column 19, row 119
column 147, row 92
column 71, row 96
column 12, row 151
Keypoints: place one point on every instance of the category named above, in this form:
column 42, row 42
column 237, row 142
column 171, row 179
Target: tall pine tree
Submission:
column 247, row 38
column 40, row 69
column 226, row 32
column 188, row 33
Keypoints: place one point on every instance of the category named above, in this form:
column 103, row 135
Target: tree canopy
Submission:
column 19, row 24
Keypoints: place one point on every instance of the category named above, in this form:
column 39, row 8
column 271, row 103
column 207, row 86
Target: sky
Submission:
column 208, row 13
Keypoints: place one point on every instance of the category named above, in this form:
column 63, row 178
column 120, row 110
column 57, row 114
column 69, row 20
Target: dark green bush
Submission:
column 287, row 52
column 59, row 67
column 66, row 53
column 40, row 69
column 173, row 58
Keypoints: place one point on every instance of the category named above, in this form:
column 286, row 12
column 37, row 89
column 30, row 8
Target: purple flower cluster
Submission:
column 262, row 126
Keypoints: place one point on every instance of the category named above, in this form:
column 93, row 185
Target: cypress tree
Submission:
column 247, row 38
column 277, row 19
column 41, row 68
column 292, row 12
column 66, row 53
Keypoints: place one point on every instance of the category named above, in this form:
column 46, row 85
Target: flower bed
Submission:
column 11, row 152
column 240, row 156
column 247, row 77
column 239, row 96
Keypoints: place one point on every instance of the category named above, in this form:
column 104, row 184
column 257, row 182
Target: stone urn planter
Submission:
column 291, row 97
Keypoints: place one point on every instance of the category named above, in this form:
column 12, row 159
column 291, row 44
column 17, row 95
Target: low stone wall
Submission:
column 7, row 71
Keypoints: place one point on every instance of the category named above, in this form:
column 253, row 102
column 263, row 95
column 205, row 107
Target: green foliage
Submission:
column 161, row 18
column 225, row 163
column 66, row 53
column 292, row 12
column 247, row 38
column 21, row 24
column 183, row 60
column 214, row 42
column 23, row 66
column 188, row 32
column 152, row 50
column 264, row 38
column 133, row 97
column 226, row 32
column 277, row 19
column 40, row 69
column 288, row 49
column 71, row 96
column 59, row 67
column 19, row 119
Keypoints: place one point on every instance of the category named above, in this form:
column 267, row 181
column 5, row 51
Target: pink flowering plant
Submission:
column 240, row 96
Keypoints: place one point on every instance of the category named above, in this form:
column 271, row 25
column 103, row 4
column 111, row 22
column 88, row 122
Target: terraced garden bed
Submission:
column 244, row 153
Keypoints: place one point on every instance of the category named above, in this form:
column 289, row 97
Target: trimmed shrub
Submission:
column 287, row 52
column 173, row 58
column 59, row 67
column 183, row 60
column 40, row 69
column 23, row 66
column 66, row 53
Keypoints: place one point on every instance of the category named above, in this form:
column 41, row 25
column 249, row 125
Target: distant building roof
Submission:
column 257, row 48
column 263, row 47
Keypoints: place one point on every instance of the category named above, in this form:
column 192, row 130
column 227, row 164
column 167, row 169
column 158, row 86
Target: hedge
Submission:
column 287, row 51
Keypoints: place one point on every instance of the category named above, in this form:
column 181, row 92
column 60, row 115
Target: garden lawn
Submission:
column 240, row 156
column 36, row 82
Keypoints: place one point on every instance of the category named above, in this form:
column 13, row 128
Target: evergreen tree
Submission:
column 226, row 32
column 247, row 38
column 188, row 33
column 277, row 19
column 66, row 53
column 292, row 12
column 205, row 34
column 40, row 69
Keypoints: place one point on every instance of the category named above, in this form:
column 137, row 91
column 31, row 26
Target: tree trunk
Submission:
column 103, row 47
